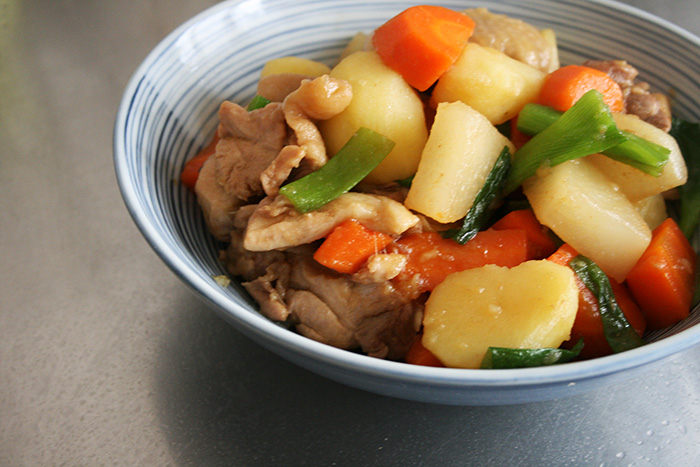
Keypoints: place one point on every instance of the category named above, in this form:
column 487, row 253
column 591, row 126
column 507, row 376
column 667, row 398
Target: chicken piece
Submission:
column 250, row 141
column 218, row 207
column 317, row 99
column 513, row 37
column 276, row 224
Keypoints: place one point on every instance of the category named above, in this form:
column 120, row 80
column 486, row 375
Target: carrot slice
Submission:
column 588, row 324
column 541, row 243
column 422, row 42
column 349, row 245
column 418, row 355
column 190, row 173
column 663, row 280
column 565, row 85
column 431, row 257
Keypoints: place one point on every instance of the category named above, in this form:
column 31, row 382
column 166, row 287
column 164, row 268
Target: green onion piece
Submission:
column 586, row 128
column 618, row 332
column 637, row 152
column 688, row 137
column 406, row 182
column 503, row 357
column 480, row 211
column 360, row 155
column 258, row 102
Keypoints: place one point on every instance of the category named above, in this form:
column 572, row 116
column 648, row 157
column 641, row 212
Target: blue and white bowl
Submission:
column 169, row 111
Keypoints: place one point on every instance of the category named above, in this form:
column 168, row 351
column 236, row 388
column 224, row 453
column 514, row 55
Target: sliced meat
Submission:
column 218, row 207
column 381, row 267
column 315, row 320
column 513, row 37
column 250, row 141
column 240, row 262
column 269, row 291
column 653, row 108
column 382, row 321
column 276, row 224
column 277, row 87
column 317, row 99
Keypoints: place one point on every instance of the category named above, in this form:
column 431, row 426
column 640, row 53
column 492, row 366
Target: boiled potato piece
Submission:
column 634, row 183
column 294, row 65
column 652, row 210
column 489, row 81
column 532, row 305
column 551, row 37
column 585, row 209
column 359, row 42
column 382, row 101
column 461, row 151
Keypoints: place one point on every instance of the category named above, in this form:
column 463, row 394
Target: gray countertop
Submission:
column 107, row 358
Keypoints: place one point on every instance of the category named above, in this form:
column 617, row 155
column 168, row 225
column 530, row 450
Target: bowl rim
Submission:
column 254, row 324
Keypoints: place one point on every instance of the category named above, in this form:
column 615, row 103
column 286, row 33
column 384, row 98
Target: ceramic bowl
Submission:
column 169, row 111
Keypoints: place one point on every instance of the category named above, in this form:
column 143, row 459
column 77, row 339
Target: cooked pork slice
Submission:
column 250, row 141
column 653, row 108
column 277, row 87
column 622, row 72
column 317, row 99
column 218, row 207
column 269, row 291
column 513, row 37
column 382, row 321
column 381, row 267
column 276, row 224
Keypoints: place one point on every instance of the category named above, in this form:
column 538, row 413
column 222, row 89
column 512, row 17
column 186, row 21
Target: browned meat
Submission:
column 334, row 309
column 218, row 207
column 653, row 108
column 269, row 291
column 243, row 263
column 513, row 37
column 381, row 267
column 382, row 321
column 250, row 141
column 317, row 99
column 276, row 224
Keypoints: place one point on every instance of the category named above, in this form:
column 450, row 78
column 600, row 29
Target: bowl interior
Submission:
column 169, row 111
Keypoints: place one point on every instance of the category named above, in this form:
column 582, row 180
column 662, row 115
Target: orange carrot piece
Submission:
column 422, row 42
column 418, row 355
column 588, row 324
column 565, row 85
column 541, row 243
column 517, row 137
column 663, row 280
column 349, row 245
column 431, row 257
column 190, row 173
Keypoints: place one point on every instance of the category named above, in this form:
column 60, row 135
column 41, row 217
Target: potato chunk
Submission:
column 294, row 65
column 461, row 151
column 382, row 101
column 585, row 209
column 489, row 81
column 634, row 183
column 532, row 305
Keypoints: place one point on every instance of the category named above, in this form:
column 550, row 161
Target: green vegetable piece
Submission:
column 650, row 158
column 618, row 332
column 258, row 102
column 687, row 135
column 586, row 128
column 481, row 210
column 503, row 357
column 360, row 155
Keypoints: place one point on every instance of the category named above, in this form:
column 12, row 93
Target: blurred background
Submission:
column 107, row 358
